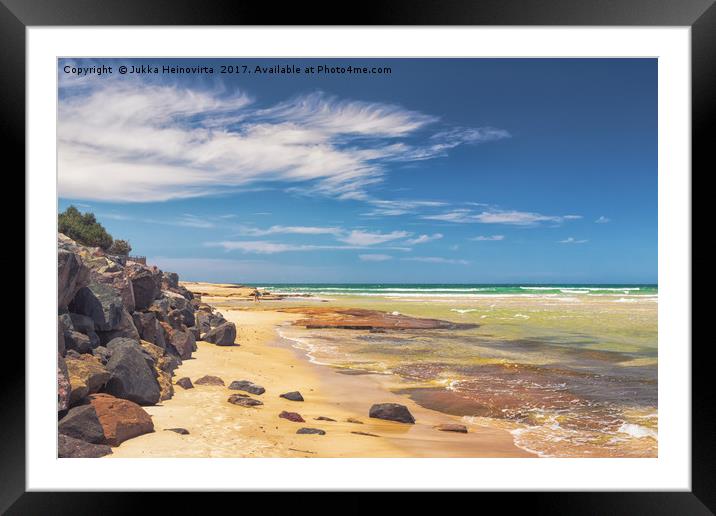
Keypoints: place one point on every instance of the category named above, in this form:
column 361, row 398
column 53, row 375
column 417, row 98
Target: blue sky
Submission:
column 459, row 170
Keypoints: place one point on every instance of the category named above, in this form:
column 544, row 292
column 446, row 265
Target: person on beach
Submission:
column 256, row 295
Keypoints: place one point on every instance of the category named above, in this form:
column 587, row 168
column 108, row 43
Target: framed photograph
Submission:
column 441, row 247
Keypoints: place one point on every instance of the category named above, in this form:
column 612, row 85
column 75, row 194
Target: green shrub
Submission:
column 83, row 228
column 120, row 247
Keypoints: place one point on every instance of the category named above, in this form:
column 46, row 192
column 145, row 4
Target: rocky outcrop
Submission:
column 71, row 448
column 222, row 335
column 120, row 419
column 392, row 412
column 82, row 423
column 123, row 329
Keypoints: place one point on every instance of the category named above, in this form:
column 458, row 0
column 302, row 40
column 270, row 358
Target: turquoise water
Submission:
column 460, row 290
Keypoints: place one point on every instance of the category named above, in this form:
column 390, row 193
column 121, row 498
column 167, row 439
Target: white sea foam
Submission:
column 637, row 431
column 463, row 311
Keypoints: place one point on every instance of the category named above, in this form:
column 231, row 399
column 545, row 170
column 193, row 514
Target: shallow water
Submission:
column 569, row 376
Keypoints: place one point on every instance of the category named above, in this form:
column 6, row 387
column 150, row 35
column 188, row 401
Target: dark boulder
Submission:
column 324, row 418
column 145, row 285
column 245, row 385
column 149, row 328
column 84, row 324
column 124, row 328
column 185, row 383
column 78, row 341
column 179, row 317
column 113, row 275
column 316, row 431
column 183, row 342
column 223, row 335
column 160, row 307
column 131, row 376
column 292, row 416
column 216, row 319
column 391, row 412
column 195, row 332
column 292, row 396
column 99, row 302
column 202, row 322
column 176, row 301
column 72, row 275
column 244, row 401
column 82, row 423
column 170, row 280
column 71, row 448
column 102, row 354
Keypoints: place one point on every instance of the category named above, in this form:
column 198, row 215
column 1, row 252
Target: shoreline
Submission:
column 220, row 429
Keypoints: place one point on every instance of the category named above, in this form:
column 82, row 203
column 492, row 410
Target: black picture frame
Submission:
column 700, row 15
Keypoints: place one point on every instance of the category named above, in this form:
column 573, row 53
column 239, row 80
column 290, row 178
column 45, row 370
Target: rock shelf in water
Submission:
column 361, row 319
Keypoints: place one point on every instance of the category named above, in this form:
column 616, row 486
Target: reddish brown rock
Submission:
column 361, row 319
column 292, row 416
column 209, row 380
column 120, row 419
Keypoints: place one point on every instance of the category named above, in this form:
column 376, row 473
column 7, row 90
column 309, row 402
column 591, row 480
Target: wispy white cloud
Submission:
column 375, row 257
column 366, row 238
column 435, row 259
column 423, row 239
column 494, row 216
column 488, row 238
column 265, row 247
column 602, row 220
column 572, row 240
column 382, row 207
column 132, row 141
column 295, row 230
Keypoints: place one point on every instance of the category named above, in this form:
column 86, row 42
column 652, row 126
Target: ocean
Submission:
column 570, row 370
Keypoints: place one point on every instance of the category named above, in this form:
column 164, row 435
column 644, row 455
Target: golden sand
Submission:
column 220, row 429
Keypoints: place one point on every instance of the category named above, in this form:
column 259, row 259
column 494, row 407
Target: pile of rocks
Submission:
column 122, row 331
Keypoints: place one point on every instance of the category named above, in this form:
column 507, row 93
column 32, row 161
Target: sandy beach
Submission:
column 220, row 429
